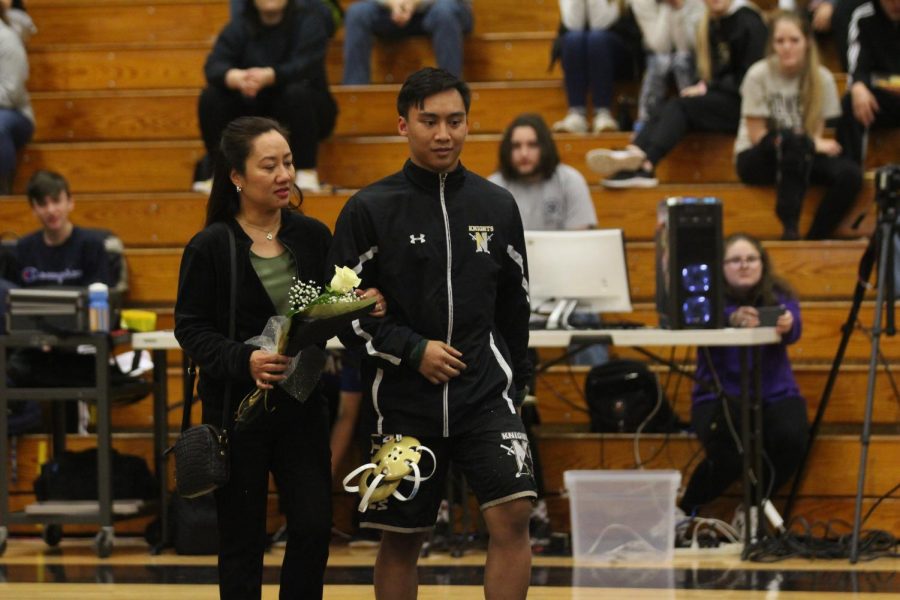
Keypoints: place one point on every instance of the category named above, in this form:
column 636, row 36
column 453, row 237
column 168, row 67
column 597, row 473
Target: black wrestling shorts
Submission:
column 494, row 457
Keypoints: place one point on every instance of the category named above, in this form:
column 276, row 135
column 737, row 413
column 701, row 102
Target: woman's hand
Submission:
column 785, row 322
column 744, row 316
column 380, row 308
column 267, row 368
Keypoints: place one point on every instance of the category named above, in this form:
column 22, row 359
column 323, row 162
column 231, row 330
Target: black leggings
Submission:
column 785, row 431
column 788, row 160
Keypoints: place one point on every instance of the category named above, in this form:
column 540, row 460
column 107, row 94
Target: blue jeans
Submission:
column 591, row 61
column 15, row 131
column 446, row 21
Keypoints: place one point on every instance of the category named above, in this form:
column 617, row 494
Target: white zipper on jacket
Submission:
column 446, row 394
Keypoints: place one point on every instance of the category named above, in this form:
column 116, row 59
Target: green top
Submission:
column 276, row 275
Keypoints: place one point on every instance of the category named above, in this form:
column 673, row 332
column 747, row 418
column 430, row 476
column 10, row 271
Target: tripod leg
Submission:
column 880, row 307
column 866, row 264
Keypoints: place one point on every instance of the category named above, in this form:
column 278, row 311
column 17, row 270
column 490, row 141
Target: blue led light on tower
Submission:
column 696, row 278
column 689, row 263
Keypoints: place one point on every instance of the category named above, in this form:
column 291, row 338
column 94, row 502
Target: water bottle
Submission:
column 98, row 306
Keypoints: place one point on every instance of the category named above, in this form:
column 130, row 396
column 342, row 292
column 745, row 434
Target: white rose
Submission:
column 344, row 280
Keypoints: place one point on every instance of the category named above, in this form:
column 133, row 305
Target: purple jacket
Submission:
column 777, row 377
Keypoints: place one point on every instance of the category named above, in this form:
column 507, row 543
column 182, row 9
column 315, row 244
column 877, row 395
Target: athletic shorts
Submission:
column 494, row 457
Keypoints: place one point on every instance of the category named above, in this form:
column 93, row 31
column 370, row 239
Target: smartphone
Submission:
column 768, row 315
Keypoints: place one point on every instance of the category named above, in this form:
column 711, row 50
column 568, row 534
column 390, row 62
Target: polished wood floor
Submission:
column 31, row 570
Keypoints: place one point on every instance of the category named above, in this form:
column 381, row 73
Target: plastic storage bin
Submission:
column 622, row 515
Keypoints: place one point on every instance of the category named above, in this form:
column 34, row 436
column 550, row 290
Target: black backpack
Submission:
column 622, row 394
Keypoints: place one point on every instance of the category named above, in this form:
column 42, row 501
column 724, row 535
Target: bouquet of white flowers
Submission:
column 314, row 317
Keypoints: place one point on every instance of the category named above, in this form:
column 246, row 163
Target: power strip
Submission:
column 720, row 550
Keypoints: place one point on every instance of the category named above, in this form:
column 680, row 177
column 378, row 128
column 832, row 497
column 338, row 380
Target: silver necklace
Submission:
column 270, row 233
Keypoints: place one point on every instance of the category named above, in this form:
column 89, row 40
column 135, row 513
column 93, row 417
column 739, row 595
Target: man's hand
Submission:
column 267, row 368
column 440, row 362
column 402, row 11
column 864, row 103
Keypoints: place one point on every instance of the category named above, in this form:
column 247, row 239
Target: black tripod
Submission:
column 880, row 251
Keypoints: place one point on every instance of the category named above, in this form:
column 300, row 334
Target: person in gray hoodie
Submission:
column 16, row 116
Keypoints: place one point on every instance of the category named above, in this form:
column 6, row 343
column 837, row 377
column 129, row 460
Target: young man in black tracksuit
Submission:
column 449, row 363
column 873, row 60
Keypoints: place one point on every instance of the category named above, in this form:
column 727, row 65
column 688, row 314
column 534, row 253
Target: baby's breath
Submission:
column 302, row 294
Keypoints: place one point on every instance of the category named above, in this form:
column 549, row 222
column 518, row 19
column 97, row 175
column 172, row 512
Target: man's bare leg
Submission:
column 507, row 571
column 396, row 576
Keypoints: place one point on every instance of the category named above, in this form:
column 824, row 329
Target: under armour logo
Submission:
column 417, row 239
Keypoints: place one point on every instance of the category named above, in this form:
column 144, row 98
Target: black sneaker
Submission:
column 631, row 179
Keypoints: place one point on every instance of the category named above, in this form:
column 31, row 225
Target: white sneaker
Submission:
column 308, row 180
column 573, row 123
column 607, row 162
column 202, row 187
column 603, row 121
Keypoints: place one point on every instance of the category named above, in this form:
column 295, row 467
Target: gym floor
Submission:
column 31, row 570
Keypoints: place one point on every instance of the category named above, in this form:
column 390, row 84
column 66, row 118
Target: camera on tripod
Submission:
column 887, row 186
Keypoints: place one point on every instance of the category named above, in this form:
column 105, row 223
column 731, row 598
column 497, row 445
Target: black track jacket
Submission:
column 448, row 253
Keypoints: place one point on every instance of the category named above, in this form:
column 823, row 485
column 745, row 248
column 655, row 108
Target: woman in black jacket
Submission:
column 731, row 37
column 252, row 190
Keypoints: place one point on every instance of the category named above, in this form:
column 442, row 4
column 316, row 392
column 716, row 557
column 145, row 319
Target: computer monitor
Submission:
column 585, row 266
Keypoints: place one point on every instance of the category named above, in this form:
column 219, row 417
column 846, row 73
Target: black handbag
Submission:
column 201, row 452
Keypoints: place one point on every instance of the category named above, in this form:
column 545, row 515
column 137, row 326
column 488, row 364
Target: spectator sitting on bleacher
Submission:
column 750, row 283
column 787, row 97
column 669, row 31
column 58, row 254
column 873, row 64
column 730, row 38
column 550, row 195
column 599, row 44
column 446, row 21
column 16, row 116
column 270, row 61
column 18, row 19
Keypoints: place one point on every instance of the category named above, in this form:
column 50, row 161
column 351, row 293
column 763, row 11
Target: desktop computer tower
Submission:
column 689, row 263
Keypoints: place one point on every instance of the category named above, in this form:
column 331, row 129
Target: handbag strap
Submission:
column 232, row 310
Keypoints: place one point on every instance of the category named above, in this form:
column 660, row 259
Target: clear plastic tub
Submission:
column 622, row 515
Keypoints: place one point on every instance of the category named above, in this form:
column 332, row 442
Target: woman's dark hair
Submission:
column 3, row 16
column 764, row 293
column 234, row 148
column 425, row 83
column 549, row 155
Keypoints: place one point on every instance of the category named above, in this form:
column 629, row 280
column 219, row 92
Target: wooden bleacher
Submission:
column 115, row 83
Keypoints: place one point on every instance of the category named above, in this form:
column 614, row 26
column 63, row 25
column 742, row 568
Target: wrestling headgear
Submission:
column 397, row 460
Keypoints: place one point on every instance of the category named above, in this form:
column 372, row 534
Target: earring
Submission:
column 238, row 188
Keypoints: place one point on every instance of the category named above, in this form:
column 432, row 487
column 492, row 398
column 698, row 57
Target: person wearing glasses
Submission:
column 751, row 285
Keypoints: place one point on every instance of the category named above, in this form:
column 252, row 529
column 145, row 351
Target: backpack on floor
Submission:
column 622, row 394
